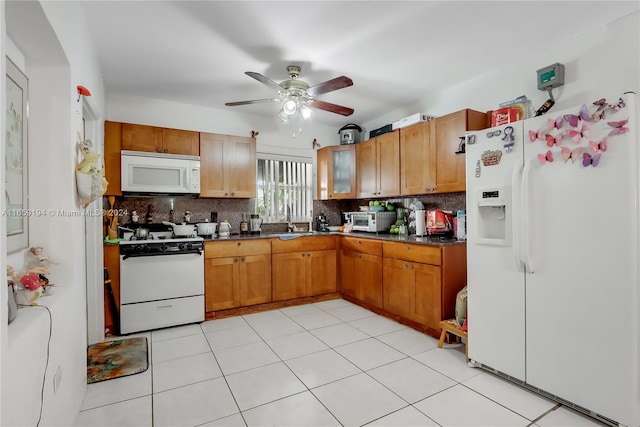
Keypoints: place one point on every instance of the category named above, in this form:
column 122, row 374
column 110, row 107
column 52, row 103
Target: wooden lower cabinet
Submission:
column 302, row 267
column 361, row 270
column 111, row 259
column 237, row 274
column 420, row 282
column 412, row 290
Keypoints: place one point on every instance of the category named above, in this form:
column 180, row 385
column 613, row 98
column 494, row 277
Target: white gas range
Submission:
column 161, row 280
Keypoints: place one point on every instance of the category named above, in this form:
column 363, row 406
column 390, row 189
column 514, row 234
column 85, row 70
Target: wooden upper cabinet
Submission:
column 159, row 140
column 336, row 172
column 112, row 165
column 429, row 157
column 378, row 166
column 449, row 167
column 227, row 166
column 416, row 174
column 176, row 141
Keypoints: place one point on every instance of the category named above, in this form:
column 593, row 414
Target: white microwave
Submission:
column 144, row 172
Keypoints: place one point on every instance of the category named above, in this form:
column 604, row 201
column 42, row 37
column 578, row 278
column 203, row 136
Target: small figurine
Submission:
column 134, row 216
column 186, row 217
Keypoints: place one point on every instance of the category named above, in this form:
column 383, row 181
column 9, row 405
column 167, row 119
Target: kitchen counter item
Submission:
column 181, row 229
column 138, row 233
column 206, row 228
column 255, row 224
column 224, row 229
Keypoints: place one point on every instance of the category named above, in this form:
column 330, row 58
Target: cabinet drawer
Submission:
column 416, row 253
column 161, row 314
column 237, row 248
column 365, row 246
column 316, row 243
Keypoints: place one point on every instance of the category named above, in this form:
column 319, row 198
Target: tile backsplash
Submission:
column 233, row 209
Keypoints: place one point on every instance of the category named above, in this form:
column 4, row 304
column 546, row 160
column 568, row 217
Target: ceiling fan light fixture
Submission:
column 283, row 116
column 290, row 107
column 306, row 112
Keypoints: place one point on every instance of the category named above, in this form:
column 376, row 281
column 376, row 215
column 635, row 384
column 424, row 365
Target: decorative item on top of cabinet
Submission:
column 429, row 153
column 378, row 166
column 336, row 172
column 227, row 166
column 159, row 140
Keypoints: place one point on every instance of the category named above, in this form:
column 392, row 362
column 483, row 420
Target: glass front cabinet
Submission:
column 337, row 172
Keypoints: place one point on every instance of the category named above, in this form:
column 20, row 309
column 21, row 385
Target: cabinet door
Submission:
column 342, row 172
column 111, row 259
column 213, row 182
column 141, row 138
column 417, row 176
column 348, row 273
column 289, row 275
column 240, row 167
column 321, row 272
column 398, row 283
column 445, row 139
column 366, row 169
column 255, row 279
column 388, row 164
column 177, row 141
column 369, row 272
column 112, row 165
column 427, row 296
column 323, row 157
column 222, row 284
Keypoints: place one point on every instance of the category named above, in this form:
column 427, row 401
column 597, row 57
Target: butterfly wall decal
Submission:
column 619, row 105
column 587, row 159
column 598, row 146
column 553, row 140
column 578, row 135
column 536, row 135
column 555, row 124
column 544, row 158
column 583, row 115
column 571, row 154
column 618, row 127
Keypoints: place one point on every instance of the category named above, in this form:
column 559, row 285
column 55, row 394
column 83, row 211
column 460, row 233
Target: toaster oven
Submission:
column 372, row 222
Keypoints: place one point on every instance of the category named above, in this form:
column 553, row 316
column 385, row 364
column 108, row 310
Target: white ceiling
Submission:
column 396, row 52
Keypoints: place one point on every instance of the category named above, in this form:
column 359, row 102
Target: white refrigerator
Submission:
column 553, row 222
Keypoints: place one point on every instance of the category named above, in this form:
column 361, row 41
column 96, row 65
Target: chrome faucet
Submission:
column 289, row 224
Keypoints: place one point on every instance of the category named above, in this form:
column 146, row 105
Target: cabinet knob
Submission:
column 242, row 259
column 359, row 242
column 157, row 150
column 408, row 247
column 166, row 150
column 235, row 260
column 233, row 194
column 226, row 194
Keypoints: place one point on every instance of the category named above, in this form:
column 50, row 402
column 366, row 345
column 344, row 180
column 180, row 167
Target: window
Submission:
column 284, row 190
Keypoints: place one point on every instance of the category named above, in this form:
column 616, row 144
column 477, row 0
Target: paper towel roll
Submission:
column 420, row 223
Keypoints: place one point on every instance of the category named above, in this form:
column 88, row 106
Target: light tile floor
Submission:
column 330, row 363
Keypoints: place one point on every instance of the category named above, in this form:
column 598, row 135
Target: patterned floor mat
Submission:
column 117, row 358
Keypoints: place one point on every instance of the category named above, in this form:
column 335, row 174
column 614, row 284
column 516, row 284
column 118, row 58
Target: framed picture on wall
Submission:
column 16, row 184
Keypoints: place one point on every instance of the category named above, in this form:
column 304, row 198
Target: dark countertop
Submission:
column 426, row 240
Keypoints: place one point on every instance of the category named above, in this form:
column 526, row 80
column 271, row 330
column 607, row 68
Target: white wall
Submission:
column 602, row 62
column 51, row 44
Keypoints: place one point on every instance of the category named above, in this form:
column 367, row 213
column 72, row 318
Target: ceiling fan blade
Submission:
column 333, row 108
column 253, row 101
column 264, row 80
column 330, row 85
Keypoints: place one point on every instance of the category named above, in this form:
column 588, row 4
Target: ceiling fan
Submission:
column 298, row 97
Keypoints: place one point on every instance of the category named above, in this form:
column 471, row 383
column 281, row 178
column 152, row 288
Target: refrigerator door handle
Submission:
column 526, row 217
column 516, row 213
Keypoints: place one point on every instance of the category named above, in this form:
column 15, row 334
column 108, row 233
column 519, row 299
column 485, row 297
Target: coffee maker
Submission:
column 321, row 222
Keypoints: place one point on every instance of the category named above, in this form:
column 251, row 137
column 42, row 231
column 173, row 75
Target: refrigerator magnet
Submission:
column 491, row 158
column 509, row 139
column 478, row 169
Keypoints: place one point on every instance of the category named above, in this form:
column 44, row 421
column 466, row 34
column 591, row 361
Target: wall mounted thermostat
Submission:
column 551, row 76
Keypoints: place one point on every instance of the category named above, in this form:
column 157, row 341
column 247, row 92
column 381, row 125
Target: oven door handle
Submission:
column 190, row 251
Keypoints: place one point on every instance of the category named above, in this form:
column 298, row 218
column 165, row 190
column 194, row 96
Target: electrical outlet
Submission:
column 57, row 378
